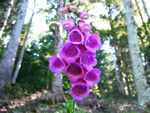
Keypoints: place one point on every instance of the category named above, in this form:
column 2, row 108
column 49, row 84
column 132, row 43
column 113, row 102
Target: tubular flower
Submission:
column 88, row 58
column 75, row 36
column 77, row 55
column 92, row 77
column 73, row 8
column 84, row 26
column 64, row 10
column 69, row 24
column 74, row 71
column 93, row 42
column 69, row 52
column 83, row 16
column 56, row 64
column 79, row 91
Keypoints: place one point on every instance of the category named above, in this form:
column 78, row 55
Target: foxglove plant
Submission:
column 77, row 55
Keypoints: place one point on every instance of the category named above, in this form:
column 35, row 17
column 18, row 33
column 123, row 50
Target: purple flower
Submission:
column 84, row 26
column 69, row 24
column 69, row 52
column 75, row 36
column 78, row 81
column 82, row 48
column 79, row 91
column 86, row 35
column 92, row 77
column 64, row 10
column 88, row 58
column 56, row 64
column 93, row 43
column 83, row 16
column 74, row 71
column 73, row 8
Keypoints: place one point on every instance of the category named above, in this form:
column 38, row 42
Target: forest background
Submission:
column 25, row 47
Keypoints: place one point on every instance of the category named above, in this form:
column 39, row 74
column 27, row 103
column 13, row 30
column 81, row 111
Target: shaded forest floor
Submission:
column 32, row 104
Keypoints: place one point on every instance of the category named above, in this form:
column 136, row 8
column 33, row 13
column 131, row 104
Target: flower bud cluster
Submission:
column 71, row 6
column 77, row 56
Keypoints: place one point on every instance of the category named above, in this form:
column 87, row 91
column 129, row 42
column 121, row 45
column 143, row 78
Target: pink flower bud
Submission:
column 84, row 27
column 64, row 10
column 75, row 2
column 83, row 15
column 68, row 4
column 73, row 8
column 69, row 24
column 82, row 2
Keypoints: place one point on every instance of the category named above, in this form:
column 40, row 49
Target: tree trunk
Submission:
column 18, row 66
column 8, row 58
column 142, row 88
column 57, row 79
column 5, row 18
column 145, row 9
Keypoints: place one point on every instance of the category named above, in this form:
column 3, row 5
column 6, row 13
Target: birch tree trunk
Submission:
column 57, row 79
column 145, row 9
column 142, row 88
column 8, row 58
column 5, row 18
column 18, row 66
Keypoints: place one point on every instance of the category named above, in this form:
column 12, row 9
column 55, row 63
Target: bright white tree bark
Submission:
column 145, row 9
column 142, row 88
column 18, row 66
column 6, row 15
column 8, row 58
column 57, row 79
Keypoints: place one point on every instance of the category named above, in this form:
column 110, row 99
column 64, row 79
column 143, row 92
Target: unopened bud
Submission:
column 68, row 4
column 82, row 2
column 75, row 2
column 64, row 10
column 73, row 8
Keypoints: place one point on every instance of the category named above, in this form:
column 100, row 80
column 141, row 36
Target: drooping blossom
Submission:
column 93, row 42
column 56, row 64
column 88, row 58
column 79, row 91
column 84, row 26
column 83, row 16
column 69, row 52
column 69, row 24
column 92, row 77
column 77, row 55
column 75, row 36
column 73, row 8
column 74, row 71
column 64, row 10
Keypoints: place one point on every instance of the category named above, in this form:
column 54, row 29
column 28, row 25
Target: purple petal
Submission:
column 82, row 48
column 56, row 64
column 81, row 80
column 83, row 15
column 75, row 36
column 84, row 26
column 74, row 71
column 86, row 35
column 92, row 77
column 93, row 42
column 88, row 58
column 69, row 52
column 79, row 91
column 69, row 24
